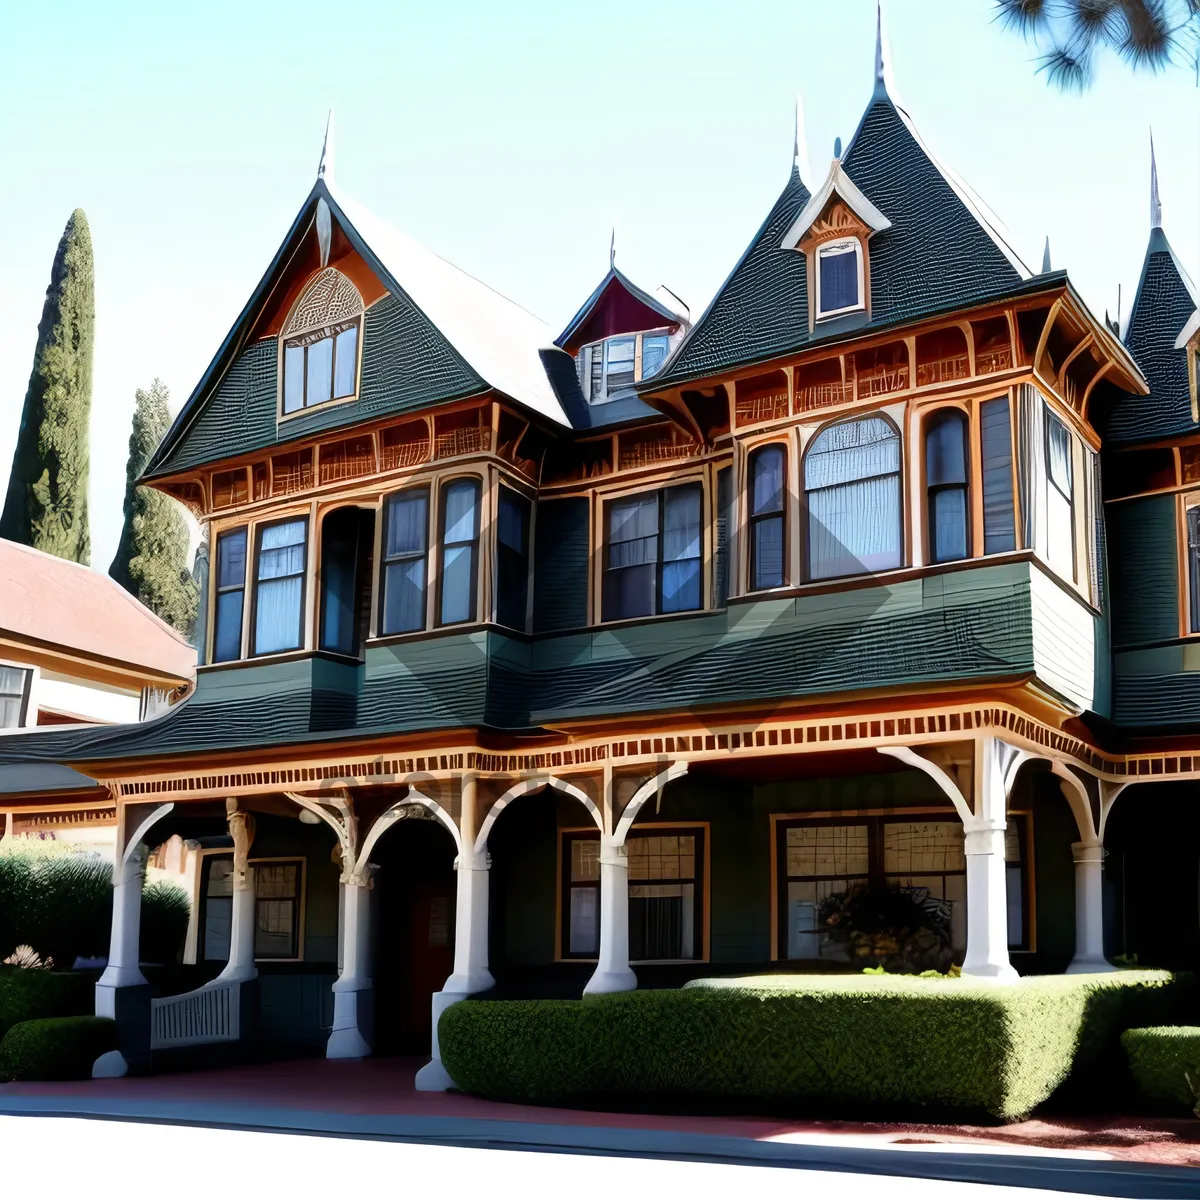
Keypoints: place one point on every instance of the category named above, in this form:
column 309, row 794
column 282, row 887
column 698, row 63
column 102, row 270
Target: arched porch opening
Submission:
column 412, row 869
column 1152, row 877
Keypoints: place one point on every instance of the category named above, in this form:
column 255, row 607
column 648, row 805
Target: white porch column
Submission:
column 1089, row 911
column 613, row 973
column 241, row 927
column 987, row 899
column 123, row 970
column 353, row 994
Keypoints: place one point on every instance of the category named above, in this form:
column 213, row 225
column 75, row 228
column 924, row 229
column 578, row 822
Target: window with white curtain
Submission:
column 1193, row 566
column 460, row 550
column 1060, row 497
column 768, row 523
column 279, row 586
column 946, row 485
column 405, row 551
column 14, row 693
column 852, row 488
column 652, row 550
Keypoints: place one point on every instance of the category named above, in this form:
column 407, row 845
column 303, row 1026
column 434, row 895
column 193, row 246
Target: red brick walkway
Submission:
column 381, row 1087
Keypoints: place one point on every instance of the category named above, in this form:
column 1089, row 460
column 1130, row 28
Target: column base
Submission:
column 1090, row 966
column 433, row 1077
column 468, row 984
column 353, row 1020
column 991, row 972
column 603, row 982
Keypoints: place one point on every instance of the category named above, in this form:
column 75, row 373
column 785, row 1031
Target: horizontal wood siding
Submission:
column 1064, row 642
column 1143, row 559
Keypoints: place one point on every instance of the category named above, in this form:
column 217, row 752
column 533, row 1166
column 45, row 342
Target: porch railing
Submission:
column 209, row 1014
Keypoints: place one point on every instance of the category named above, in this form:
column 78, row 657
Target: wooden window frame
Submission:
column 217, row 591
column 969, row 416
column 752, row 520
column 476, row 543
column 1048, row 415
column 331, row 333
column 588, row 350
column 502, row 487
column 702, row 882
column 204, row 868
column 820, row 251
column 305, row 578
column 24, row 695
column 380, row 580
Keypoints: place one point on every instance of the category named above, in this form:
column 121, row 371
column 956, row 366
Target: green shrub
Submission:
column 25, row 995
column 56, row 1047
column 1161, row 1060
column 852, row 1043
column 165, row 912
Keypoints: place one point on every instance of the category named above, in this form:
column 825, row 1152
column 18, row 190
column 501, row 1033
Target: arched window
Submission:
column 768, row 488
column 320, row 343
column 460, row 550
column 852, row 488
column 946, row 485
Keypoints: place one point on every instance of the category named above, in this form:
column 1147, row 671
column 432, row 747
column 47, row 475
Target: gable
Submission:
column 1163, row 305
column 616, row 310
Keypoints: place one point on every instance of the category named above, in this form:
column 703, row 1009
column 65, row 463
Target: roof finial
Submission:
column 883, row 56
column 325, row 170
column 1046, row 256
column 612, row 249
column 800, row 146
column 1155, row 203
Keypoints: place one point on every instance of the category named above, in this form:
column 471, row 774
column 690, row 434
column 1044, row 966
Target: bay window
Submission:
column 768, row 524
column 852, row 489
column 279, row 586
column 512, row 559
column 230, row 595
column 14, row 696
column 946, row 485
column 405, row 551
column 666, row 908
column 652, row 552
column 460, row 551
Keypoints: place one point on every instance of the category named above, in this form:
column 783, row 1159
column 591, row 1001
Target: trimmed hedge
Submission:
column 1160, row 1060
column 25, row 995
column 850, row 1043
column 56, row 1047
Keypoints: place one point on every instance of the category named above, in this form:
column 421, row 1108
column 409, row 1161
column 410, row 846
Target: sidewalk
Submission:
column 375, row 1099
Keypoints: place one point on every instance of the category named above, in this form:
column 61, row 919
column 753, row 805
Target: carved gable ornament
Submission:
column 838, row 192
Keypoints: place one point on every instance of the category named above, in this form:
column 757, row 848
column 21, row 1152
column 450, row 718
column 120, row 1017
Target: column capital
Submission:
column 472, row 861
column 1084, row 852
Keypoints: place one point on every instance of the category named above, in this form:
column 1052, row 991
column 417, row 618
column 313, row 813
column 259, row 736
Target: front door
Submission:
column 430, row 955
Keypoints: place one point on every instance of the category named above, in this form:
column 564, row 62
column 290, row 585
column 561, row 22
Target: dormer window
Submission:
column 614, row 365
column 839, row 277
column 320, row 344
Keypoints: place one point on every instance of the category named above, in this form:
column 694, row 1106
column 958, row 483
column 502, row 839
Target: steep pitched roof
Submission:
column 57, row 603
column 452, row 336
column 1164, row 302
column 943, row 250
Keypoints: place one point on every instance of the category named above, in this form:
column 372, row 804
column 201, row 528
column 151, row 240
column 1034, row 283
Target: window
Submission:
column 512, row 559
column 1193, row 561
column 666, row 910
column 652, row 553
column 321, row 342
column 946, row 485
column 1060, row 513
column 609, row 367
column 277, row 909
column 14, row 695
column 825, row 864
column 768, row 472
column 277, row 887
column 231, row 592
column 839, row 277
column 405, row 545
column 721, row 537
column 852, row 486
column 279, row 587
column 460, row 550
column 347, row 542
column 995, row 431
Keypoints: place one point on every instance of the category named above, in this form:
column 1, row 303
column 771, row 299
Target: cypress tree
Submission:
column 46, row 504
column 150, row 562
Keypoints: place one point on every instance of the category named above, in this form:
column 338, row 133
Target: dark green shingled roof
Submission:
column 1161, row 308
column 938, row 255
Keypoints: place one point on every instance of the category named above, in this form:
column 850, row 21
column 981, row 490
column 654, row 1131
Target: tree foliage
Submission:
column 46, row 503
column 151, row 557
column 1149, row 35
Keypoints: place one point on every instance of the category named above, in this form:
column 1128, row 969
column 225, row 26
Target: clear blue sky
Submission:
column 509, row 138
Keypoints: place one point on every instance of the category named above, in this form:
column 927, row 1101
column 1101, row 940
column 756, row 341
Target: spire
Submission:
column 325, row 170
column 1155, row 203
column 800, row 147
column 1046, row 256
column 883, row 57
column 612, row 249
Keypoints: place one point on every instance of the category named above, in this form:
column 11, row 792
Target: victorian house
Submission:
column 536, row 663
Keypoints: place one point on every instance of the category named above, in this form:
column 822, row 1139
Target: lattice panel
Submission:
column 329, row 297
